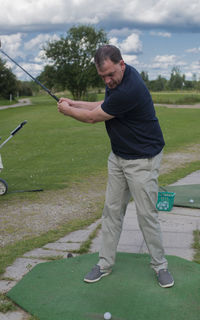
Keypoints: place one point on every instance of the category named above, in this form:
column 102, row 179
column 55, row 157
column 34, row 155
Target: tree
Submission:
column 24, row 88
column 176, row 80
column 72, row 58
column 145, row 77
column 49, row 77
column 157, row 85
column 8, row 81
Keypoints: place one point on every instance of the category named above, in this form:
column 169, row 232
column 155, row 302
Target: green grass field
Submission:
column 52, row 151
column 171, row 97
column 176, row 97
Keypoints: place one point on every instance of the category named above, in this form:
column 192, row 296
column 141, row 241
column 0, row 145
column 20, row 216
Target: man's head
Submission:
column 110, row 65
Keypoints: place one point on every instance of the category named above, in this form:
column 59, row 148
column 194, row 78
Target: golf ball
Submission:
column 191, row 200
column 107, row 316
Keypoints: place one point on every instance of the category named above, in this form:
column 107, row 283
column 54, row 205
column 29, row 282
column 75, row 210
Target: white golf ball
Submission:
column 107, row 316
column 191, row 200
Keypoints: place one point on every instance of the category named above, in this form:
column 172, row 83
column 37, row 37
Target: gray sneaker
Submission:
column 95, row 274
column 165, row 279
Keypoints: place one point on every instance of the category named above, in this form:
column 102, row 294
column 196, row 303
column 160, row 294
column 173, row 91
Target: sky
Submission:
column 153, row 35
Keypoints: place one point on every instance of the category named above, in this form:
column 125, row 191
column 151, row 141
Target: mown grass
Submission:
column 4, row 102
column 196, row 246
column 176, row 97
column 170, row 97
column 52, row 151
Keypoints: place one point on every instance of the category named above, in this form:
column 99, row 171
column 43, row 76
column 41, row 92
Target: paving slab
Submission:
column 80, row 235
column 42, row 253
column 20, row 267
column 192, row 178
column 63, row 246
column 15, row 315
column 177, row 230
column 6, row 285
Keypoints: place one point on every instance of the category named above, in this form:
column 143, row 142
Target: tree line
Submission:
column 176, row 82
column 71, row 67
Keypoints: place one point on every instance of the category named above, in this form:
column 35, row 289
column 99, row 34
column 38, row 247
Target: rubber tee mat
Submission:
column 56, row 290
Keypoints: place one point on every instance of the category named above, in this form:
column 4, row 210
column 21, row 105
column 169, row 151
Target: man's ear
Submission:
column 122, row 64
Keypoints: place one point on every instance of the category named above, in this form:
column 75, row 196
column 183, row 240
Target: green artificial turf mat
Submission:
column 56, row 291
column 186, row 195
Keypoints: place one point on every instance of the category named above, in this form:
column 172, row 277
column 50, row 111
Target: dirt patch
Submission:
column 175, row 160
column 22, row 218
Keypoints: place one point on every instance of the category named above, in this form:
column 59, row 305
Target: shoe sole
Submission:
column 97, row 279
column 169, row 285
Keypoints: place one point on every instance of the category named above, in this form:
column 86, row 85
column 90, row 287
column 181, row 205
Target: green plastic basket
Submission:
column 165, row 201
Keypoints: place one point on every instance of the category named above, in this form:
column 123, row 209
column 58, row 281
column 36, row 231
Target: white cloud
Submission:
column 166, row 61
column 39, row 41
column 193, row 50
column 131, row 59
column 131, row 44
column 192, row 69
column 33, row 68
column 28, row 53
column 130, row 26
column 161, row 34
column 40, row 57
column 12, row 44
column 27, row 15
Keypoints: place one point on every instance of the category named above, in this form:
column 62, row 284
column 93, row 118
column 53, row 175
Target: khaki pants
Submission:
column 136, row 178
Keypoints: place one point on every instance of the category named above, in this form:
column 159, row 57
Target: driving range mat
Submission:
column 186, row 195
column 56, row 290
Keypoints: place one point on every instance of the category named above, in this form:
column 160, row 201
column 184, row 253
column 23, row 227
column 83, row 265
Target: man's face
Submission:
column 111, row 73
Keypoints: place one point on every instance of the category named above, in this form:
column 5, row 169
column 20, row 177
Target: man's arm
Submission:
column 83, row 114
column 81, row 104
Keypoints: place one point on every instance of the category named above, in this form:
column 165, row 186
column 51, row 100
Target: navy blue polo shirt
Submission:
column 134, row 132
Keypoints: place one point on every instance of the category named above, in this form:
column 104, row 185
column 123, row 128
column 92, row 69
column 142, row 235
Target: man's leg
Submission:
column 142, row 178
column 117, row 199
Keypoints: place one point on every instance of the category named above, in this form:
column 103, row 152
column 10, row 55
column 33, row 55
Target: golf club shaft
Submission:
column 5, row 141
column 34, row 79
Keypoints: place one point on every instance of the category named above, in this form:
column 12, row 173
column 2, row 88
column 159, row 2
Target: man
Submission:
column 133, row 165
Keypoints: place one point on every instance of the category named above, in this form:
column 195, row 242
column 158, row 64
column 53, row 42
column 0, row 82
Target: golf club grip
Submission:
column 18, row 128
column 34, row 79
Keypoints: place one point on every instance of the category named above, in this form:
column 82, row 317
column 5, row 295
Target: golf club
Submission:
column 13, row 133
column 36, row 80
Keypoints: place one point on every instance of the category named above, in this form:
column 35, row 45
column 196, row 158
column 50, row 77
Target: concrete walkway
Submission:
column 177, row 227
column 21, row 103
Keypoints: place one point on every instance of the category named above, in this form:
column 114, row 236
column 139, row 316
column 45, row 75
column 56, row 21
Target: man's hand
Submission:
column 69, row 101
column 63, row 105
column 95, row 114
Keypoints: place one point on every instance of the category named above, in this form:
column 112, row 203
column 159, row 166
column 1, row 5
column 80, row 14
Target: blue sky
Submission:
column 153, row 35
